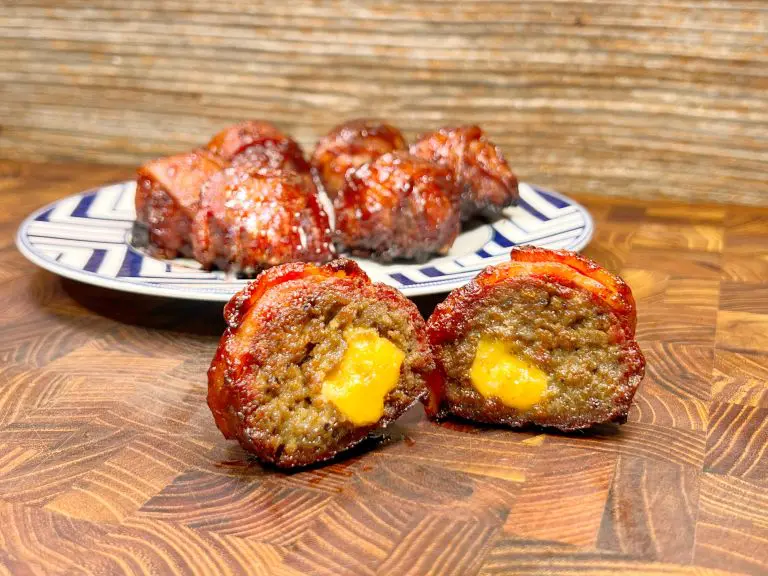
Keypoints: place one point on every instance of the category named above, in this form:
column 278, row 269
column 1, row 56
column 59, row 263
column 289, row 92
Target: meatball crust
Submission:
column 482, row 175
column 349, row 146
column 280, row 150
column 250, row 220
column 398, row 206
column 284, row 337
column 559, row 315
column 257, row 146
column 274, row 161
column 167, row 197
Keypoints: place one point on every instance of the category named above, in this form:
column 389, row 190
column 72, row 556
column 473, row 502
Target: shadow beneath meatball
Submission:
column 368, row 445
column 249, row 464
column 426, row 304
column 458, row 424
column 239, row 462
column 190, row 316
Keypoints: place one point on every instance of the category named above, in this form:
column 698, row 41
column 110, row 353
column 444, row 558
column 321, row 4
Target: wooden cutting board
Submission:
column 110, row 462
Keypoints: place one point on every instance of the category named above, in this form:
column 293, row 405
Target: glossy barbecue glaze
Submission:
column 262, row 136
column 483, row 176
column 167, row 198
column 349, row 146
column 252, row 220
column 398, row 206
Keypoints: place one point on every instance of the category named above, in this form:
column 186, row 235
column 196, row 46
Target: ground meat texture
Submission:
column 582, row 342
column 167, row 198
column 482, row 175
column 285, row 337
column 349, row 146
column 398, row 206
column 250, row 220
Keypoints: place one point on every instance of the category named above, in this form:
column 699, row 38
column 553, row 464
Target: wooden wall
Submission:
column 609, row 96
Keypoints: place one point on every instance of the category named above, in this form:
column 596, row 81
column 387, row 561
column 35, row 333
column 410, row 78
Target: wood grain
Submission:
column 737, row 441
column 110, row 462
column 563, row 497
column 651, row 511
column 733, row 524
column 739, row 378
column 606, row 96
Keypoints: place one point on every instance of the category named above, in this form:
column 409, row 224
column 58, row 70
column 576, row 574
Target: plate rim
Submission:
column 94, row 279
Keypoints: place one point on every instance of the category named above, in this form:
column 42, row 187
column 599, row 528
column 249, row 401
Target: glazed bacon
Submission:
column 248, row 297
column 281, row 150
column 245, row 202
column 482, row 175
column 349, row 146
column 250, row 199
column 248, row 221
column 259, row 146
column 167, row 198
column 398, row 206
column 606, row 287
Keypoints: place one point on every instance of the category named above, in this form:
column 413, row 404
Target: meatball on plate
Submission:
column 482, row 174
column 167, row 198
column 250, row 220
column 547, row 338
column 315, row 358
column 350, row 145
column 398, row 206
column 197, row 225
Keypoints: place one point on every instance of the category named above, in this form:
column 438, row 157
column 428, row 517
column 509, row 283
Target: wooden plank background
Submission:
column 607, row 96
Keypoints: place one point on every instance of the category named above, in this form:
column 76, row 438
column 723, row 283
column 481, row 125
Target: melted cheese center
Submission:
column 497, row 372
column 368, row 371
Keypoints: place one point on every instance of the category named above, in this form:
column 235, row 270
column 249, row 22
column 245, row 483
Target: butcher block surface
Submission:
column 110, row 462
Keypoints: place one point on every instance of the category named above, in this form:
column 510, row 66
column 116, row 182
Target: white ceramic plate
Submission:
column 87, row 237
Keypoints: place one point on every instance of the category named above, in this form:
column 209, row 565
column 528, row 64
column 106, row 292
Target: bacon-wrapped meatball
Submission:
column 545, row 339
column 236, row 139
column 349, row 146
column 398, row 206
column 167, row 197
column 252, row 220
column 313, row 359
column 260, row 146
column 482, row 175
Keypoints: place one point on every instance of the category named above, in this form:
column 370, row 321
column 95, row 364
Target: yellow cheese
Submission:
column 368, row 371
column 497, row 372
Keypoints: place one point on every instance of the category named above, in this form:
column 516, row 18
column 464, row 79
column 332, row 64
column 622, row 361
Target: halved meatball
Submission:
column 314, row 358
column 398, row 206
column 482, row 175
column 250, row 220
column 545, row 339
column 349, row 146
column 167, row 198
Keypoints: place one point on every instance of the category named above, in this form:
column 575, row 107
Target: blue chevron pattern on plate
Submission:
column 87, row 237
